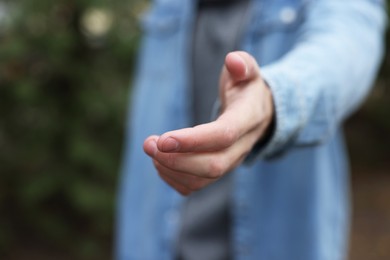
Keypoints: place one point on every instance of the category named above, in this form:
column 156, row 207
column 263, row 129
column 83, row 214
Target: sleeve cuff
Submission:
column 288, row 119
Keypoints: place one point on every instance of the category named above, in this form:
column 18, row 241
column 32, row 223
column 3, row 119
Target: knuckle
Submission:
column 170, row 160
column 184, row 192
column 157, row 165
column 194, row 142
column 229, row 136
column 195, row 186
column 217, row 168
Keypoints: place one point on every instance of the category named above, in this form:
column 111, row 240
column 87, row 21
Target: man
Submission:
column 270, row 171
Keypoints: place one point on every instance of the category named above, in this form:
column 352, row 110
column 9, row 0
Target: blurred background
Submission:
column 65, row 69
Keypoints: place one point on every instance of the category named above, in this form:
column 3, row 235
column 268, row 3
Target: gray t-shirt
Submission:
column 205, row 230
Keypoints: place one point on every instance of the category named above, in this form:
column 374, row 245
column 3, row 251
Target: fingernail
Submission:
column 242, row 60
column 151, row 148
column 170, row 145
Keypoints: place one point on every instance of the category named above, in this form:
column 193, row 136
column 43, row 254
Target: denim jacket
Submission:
column 291, row 201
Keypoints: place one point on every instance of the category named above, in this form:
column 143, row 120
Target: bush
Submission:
column 64, row 73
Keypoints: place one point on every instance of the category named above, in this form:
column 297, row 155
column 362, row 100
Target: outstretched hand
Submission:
column 191, row 158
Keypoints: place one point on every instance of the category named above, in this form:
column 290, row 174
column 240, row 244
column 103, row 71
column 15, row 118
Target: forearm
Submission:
column 327, row 74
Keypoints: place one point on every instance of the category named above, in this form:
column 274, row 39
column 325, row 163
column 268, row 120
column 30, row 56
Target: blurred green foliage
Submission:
column 64, row 72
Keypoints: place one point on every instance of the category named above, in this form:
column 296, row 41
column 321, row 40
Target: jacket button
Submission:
column 288, row 15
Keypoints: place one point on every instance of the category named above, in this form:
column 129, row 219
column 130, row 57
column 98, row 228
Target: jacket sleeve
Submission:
column 327, row 74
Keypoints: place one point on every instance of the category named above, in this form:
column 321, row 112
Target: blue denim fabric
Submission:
column 319, row 57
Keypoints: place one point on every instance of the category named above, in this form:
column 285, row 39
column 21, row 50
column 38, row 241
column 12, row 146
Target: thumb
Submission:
column 241, row 66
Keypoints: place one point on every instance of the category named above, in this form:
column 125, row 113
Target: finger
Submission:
column 174, row 184
column 150, row 145
column 209, row 137
column 208, row 165
column 199, row 164
column 241, row 66
column 191, row 182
